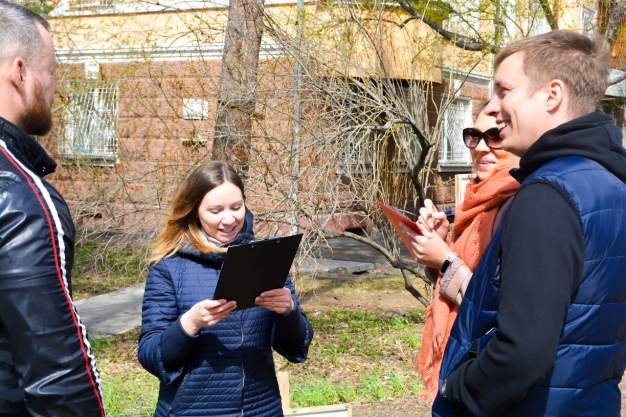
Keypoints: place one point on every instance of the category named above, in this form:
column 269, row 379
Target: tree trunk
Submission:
column 236, row 97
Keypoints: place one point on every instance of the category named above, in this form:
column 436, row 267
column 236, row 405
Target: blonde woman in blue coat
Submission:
column 210, row 359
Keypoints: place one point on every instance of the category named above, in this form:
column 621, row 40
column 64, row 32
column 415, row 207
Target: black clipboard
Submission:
column 255, row 267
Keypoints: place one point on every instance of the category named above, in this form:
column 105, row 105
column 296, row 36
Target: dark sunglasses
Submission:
column 472, row 136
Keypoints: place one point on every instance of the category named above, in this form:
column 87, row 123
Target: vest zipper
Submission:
column 243, row 371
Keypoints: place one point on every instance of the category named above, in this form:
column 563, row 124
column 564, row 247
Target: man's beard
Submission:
column 37, row 118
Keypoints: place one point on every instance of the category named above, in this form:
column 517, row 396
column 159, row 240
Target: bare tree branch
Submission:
column 460, row 41
column 546, row 6
column 408, row 285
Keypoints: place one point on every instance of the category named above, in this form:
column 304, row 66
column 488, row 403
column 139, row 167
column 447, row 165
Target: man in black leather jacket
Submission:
column 46, row 365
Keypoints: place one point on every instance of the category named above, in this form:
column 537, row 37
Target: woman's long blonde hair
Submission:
column 182, row 223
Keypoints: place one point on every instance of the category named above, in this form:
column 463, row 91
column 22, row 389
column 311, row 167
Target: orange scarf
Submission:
column 471, row 233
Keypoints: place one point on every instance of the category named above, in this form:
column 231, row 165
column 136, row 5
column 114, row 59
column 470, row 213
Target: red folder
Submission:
column 395, row 217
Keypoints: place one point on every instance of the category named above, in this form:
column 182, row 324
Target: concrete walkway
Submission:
column 113, row 313
column 120, row 311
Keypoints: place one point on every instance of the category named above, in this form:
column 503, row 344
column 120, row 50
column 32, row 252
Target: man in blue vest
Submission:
column 542, row 328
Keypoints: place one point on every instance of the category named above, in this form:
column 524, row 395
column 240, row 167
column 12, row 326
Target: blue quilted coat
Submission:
column 592, row 350
column 229, row 369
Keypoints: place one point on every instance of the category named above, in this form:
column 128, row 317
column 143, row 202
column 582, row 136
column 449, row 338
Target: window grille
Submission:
column 456, row 117
column 509, row 14
column 90, row 4
column 465, row 20
column 91, row 123
column 357, row 150
column 537, row 21
column 588, row 21
column 365, row 141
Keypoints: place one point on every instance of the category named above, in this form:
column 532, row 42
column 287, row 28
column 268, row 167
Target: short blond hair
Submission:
column 582, row 63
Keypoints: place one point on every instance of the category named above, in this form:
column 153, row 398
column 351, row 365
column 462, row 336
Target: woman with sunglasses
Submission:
column 450, row 266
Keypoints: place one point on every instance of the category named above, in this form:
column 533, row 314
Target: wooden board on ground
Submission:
column 337, row 410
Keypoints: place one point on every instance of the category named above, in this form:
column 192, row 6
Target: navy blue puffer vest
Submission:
column 592, row 349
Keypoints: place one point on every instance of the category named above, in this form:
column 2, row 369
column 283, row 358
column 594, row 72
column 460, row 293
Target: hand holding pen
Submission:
column 432, row 220
column 429, row 248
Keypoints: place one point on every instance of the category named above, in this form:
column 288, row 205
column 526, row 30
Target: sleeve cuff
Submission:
column 175, row 344
column 291, row 319
column 177, row 334
column 455, row 281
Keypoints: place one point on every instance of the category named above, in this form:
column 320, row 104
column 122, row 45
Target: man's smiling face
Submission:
column 519, row 109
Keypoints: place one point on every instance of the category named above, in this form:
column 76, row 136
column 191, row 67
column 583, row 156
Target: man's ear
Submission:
column 18, row 74
column 555, row 95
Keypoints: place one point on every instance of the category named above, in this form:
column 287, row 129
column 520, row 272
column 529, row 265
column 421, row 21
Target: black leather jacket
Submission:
column 46, row 365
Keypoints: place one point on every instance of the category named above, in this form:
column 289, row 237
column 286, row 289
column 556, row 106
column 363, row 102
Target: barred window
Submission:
column 90, row 117
column 537, row 21
column 368, row 139
column 89, row 4
column 588, row 21
column 465, row 18
column 456, row 117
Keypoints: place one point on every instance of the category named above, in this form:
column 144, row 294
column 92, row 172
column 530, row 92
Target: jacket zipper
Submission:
column 243, row 371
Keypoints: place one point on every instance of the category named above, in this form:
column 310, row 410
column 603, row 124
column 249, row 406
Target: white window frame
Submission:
column 82, row 5
column 452, row 151
column 588, row 21
column 356, row 152
column 537, row 21
column 90, row 120
column 195, row 109
column 623, row 108
column 469, row 23
column 509, row 9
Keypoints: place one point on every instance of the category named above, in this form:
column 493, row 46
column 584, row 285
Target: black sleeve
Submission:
column 542, row 260
column 45, row 356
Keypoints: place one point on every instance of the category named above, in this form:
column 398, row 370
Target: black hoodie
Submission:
column 593, row 136
column 542, row 261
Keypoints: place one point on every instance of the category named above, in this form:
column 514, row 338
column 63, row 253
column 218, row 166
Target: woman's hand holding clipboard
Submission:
column 428, row 244
column 396, row 218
